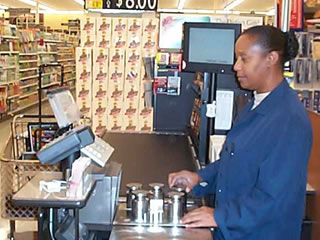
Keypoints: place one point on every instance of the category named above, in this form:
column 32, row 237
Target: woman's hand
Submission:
column 186, row 178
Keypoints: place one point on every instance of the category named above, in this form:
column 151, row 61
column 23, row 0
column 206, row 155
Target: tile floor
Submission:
column 5, row 129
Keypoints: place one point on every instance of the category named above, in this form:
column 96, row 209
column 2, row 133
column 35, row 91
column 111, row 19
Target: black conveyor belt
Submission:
column 148, row 158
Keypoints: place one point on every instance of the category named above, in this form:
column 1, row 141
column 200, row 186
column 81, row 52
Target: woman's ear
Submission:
column 273, row 58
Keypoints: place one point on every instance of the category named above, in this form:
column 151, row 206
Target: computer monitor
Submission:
column 209, row 47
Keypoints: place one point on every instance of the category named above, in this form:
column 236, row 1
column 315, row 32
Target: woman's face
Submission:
column 251, row 63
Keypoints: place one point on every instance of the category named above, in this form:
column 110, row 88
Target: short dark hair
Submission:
column 273, row 39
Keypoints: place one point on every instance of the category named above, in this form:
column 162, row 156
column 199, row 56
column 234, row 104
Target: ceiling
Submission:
column 246, row 5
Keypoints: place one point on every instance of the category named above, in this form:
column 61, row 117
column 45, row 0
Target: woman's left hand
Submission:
column 201, row 217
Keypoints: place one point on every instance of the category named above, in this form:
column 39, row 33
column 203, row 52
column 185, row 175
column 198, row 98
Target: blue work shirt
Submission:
column 260, row 179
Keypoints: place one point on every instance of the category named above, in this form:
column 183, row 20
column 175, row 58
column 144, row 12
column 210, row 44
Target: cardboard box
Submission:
column 100, row 80
column 84, row 57
column 131, row 91
column 116, row 76
column 99, row 126
column 146, row 120
column 104, row 32
column 119, row 42
column 134, row 34
column 133, row 58
column 85, row 108
column 115, row 95
column 130, row 123
column 100, row 94
column 132, row 76
column 131, row 106
column 115, row 124
column 83, row 93
column 101, row 58
column 150, row 26
column 88, row 31
column 119, row 30
column 88, row 24
column 84, row 75
column 117, row 58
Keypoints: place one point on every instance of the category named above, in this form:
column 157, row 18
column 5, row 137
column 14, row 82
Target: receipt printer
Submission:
column 65, row 145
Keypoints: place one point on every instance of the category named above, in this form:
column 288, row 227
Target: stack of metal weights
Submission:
column 152, row 206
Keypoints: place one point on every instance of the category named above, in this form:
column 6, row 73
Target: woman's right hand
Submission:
column 185, row 178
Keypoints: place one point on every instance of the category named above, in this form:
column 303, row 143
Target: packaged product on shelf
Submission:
column 132, row 76
column 88, row 41
column 131, row 105
column 130, row 123
column 3, row 99
column 115, row 94
column 119, row 42
column 99, row 126
column 117, row 58
column 83, row 56
column 131, row 91
column 145, row 121
column 83, row 92
column 84, row 75
column 85, row 108
column 88, row 28
column 133, row 58
column 103, row 32
column 100, row 78
column 114, row 116
column 134, row 33
column 119, row 28
column 116, row 76
column 150, row 26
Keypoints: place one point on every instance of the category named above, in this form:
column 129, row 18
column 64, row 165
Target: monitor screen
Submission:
column 211, row 45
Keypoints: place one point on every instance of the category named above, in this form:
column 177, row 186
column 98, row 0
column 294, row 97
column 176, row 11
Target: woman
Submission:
column 260, row 180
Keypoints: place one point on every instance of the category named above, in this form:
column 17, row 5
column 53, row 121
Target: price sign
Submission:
column 146, row 5
column 94, row 4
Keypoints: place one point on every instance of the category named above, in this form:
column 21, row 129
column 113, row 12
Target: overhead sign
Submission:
column 145, row 5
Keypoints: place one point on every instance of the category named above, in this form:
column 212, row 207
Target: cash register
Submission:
column 79, row 141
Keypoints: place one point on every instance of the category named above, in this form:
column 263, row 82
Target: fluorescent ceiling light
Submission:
column 181, row 4
column 174, row 10
column 81, row 2
column 3, row 7
column 34, row 4
column 233, row 4
column 223, row 11
column 271, row 12
column 58, row 12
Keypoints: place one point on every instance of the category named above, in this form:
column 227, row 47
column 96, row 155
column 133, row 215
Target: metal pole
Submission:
column 286, row 15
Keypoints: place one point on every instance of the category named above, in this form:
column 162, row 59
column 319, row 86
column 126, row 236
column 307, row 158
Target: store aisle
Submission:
column 5, row 129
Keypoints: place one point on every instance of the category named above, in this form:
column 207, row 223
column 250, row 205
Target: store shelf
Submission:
column 50, row 84
column 72, row 65
column 13, row 96
column 43, row 53
column 29, row 94
column 6, row 83
column 27, row 69
column 69, row 71
column 28, row 85
column 52, row 41
column 29, row 105
column 9, row 37
column 10, row 67
column 24, row 78
column 9, row 52
column 66, row 60
column 28, row 61
column 46, row 74
column 70, row 79
column 28, row 54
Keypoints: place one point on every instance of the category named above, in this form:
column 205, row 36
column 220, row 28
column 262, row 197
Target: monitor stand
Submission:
column 67, row 164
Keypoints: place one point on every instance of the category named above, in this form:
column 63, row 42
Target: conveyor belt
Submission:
column 148, row 158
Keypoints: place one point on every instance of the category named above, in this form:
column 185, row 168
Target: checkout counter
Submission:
column 92, row 203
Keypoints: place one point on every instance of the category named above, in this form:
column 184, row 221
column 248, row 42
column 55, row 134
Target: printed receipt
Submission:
column 224, row 109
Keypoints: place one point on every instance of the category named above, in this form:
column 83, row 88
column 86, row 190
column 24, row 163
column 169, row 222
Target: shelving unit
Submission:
column 66, row 56
column 21, row 53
